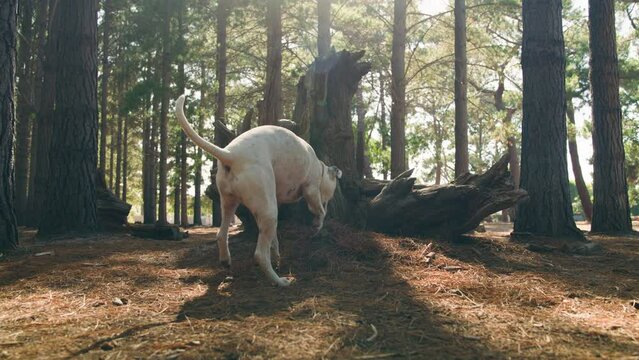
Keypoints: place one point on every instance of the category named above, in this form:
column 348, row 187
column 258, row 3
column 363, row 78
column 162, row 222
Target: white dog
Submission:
column 262, row 168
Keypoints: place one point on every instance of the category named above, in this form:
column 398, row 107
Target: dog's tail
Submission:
column 221, row 154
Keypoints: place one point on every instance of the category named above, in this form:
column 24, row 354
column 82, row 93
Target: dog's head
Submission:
column 330, row 175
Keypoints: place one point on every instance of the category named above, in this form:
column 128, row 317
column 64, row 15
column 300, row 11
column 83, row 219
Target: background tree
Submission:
column 273, row 83
column 398, row 91
column 104, row 87
column 323, row 27
column 164, row 108
column 8, row 223
column 611, row 211
column 461, row 90
column 544, row 172
column 24, row 106
column 71, row 197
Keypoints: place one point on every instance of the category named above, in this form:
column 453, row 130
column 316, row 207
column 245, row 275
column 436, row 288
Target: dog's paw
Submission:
column 284, row 282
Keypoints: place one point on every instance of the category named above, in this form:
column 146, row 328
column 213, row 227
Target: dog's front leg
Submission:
column 314, row 202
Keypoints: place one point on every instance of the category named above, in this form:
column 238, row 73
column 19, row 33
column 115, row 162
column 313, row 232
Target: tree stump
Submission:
column 112, row 212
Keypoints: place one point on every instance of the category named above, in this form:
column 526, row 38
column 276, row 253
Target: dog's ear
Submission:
column 335, row 172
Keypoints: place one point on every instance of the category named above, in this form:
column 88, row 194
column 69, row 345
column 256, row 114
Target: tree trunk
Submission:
column 611, row 211
column 147, row 172
column 118, row 142
column 106, row 33
column 444, row 211
column 197, row 200
column 176, row 186
column 361, row 128
column 125, row 158
column 111, row 156
column 398, row 91
column 544, row 173
column 8, row 222
column 181, row 84
column 223, row 9
column 71, row 194
column 42, row 16
column 461, row 91
column 24, row 108
column 44, row 120
column 150, row 200
column 323, row 27
column 164, row 109
column 383, row 126
column 584, row 196
column 273, row 87
column 439, row 139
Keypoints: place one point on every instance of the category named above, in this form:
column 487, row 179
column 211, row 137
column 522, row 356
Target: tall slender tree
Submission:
column 8, row 222
column 181, row 85
column 197, row 199
column 398, row 91
column 273, row 86
column 544, row 172
column 582, row 190
column 164, row 109
column 360, row 108
column 611, row 211
column 24, row 107
column 223, row 8
column 323, row 27
column 71, row 197
column 44, row 119
column 461, row 90
column 104, row 85
column 41, row 21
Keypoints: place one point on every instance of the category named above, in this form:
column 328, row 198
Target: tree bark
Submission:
column 24, row 108
column 611, row 211
column 544, row 172
column 582, row 189
column 461, row 91
column 71, row 194
column 323, row 27
column 398, row 91
column 106, row 33
column 273, row 86
column 8, row 222
column 164, row 109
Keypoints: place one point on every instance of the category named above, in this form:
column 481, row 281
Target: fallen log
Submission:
column 157, row 231
column 443, row 211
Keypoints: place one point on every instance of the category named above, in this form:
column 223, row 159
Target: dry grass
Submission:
column 356, row 295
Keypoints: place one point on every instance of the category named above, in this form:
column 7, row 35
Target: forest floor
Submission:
column 357, row 295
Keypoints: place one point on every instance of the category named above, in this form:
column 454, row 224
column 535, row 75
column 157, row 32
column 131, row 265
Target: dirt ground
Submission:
column 357, row 295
